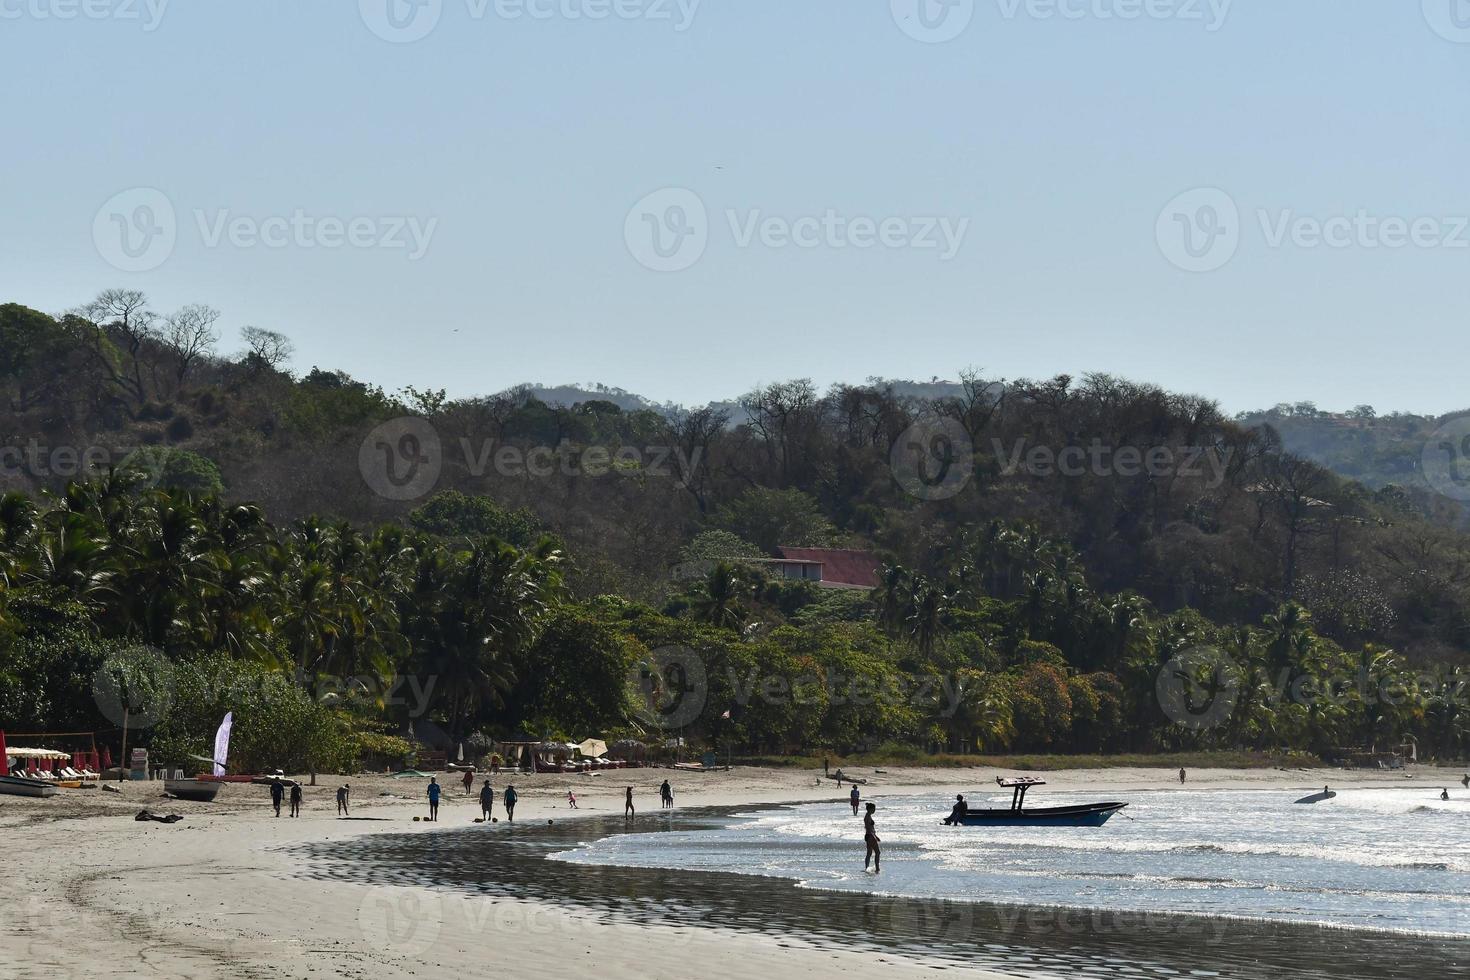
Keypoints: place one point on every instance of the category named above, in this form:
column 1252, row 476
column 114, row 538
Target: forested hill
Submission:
column 1397, row 449
column 1056, row 556
column 1129, row 488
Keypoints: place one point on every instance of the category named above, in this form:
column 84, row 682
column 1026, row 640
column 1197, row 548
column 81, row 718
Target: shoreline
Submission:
column 220, row 890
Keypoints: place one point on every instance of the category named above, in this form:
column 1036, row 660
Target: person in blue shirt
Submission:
column 855, row 798
column 433, row 799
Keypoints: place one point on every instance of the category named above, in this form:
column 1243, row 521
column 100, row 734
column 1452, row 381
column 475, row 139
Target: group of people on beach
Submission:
column 280, row 790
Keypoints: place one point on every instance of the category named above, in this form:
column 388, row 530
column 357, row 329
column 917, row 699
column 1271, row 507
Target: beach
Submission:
column 90, row 892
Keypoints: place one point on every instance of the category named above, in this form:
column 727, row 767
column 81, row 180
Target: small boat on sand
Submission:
column 21, row 786
column 198, row 790
column 1079, row 815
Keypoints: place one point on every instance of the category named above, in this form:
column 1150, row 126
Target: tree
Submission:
column 771, row 519
column 266, row 349
column 189, row 335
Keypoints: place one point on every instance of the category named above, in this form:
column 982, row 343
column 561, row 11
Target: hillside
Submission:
column 1055, row 544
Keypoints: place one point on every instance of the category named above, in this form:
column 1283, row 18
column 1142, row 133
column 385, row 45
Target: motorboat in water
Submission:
column 1077, row 815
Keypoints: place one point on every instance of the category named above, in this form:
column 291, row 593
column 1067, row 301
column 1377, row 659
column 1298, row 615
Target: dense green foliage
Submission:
column 1029, row 607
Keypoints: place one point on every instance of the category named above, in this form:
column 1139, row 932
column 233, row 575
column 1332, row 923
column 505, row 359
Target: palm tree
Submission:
column 719, row 601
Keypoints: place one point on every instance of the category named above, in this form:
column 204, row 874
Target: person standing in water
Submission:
column 487, row 800
column 855, row 798
column 628, row 810
column 873, row 842
column 1444, row 794
column 434, row 791
column 295, row 799
column 666, row 795
column 509, row 798
column 278, row 792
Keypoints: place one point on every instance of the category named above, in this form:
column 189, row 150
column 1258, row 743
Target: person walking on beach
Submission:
column 469, row 780
column 295, row 799
column 1465, row 780
column 509, row 798
column 433, row 799
column 871, row 839
column 855, row 798
column 487, row 800
column 342, row 794
column 628, row 809
column 278, row 793
column 825, row 770
column 571, row 799
column 666, row 795
column 1181, row 776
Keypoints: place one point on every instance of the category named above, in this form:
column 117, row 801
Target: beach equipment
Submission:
column 593, row 748
column 1080, row 815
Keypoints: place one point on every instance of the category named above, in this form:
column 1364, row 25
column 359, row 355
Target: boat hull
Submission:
column 16, row 786
column 192, row 789
column 1085, row 815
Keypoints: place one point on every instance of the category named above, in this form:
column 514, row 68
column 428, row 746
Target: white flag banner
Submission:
column 222, row 744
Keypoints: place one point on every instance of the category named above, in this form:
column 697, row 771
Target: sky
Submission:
column 1257, row 201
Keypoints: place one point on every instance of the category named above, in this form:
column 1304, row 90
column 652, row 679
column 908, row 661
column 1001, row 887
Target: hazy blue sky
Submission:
column 522, row 139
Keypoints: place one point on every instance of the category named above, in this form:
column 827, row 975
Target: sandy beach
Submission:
column 89, row 892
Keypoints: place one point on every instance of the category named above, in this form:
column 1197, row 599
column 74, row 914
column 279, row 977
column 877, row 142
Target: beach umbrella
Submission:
column 593, row 748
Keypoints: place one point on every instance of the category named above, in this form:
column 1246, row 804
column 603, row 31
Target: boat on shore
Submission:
column 1077, row 815
column 197, row 790
column 21, row 786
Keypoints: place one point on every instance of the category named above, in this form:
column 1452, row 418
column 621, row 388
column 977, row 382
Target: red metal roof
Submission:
column 840, row 566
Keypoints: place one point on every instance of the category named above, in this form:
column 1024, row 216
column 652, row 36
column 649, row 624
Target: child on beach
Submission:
column 433, row 799
column 342, row 794
column 572, row 799
column 855, row 798
column 295, row 799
